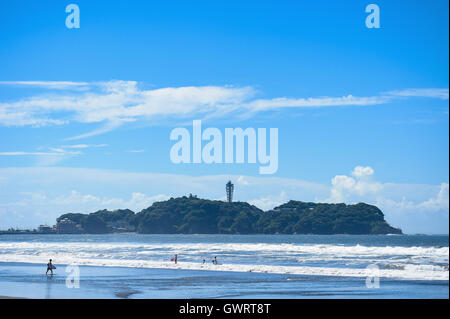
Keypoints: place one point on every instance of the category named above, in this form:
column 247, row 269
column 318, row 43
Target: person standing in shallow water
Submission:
column 49, row 267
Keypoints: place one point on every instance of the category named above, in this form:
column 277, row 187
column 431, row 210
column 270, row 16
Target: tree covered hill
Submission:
column 192, row 215
column 319, row 218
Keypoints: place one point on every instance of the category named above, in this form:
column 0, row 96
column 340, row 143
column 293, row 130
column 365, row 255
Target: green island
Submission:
column 192, row 215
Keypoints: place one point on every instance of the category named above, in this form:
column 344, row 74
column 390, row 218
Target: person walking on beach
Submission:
column 49, row 267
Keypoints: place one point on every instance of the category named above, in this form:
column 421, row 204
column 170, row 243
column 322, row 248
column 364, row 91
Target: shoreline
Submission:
column 28, row 281
column 253, row 234
column 310, row 271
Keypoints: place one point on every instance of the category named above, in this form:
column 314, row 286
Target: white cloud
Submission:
column 439, row 202
column 114, row 103
column 242, row 180
column 75, row 197
column 140, row 201
column 348, row 100
column 56, row 85
column 99, row 188
column 402, row 204
column 430, row 93
column 36, row 207
column 105, row 128
column 413, row 207
column 29, row 153
column 79, row 146
column 342, row 185
column 117, row 102
column 55, row 155
column 269, row 202
column 348, row 189
column 362, row 172
column 56, row 152
column 363, row 188
column 137, row 202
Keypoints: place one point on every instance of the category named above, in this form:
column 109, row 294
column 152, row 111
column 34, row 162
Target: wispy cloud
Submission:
column 56, row 85
column 80, row 146
column 349, row 100
column 51, row 157
column 115, row 103
column 56, row 152
column 112, row 124
column 30, row 153
column 429, row 93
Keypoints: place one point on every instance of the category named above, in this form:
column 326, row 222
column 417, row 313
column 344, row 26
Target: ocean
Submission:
column 249, row 266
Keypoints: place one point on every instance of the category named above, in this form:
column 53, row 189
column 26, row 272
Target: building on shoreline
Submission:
column 45, row 229
column 67, row 226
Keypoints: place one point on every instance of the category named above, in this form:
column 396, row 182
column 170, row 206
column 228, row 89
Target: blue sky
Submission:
column 362, row 113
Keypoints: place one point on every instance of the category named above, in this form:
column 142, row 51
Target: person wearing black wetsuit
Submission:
column 49, row 267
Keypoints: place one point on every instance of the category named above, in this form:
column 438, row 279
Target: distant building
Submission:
column 120, row 226
column 230, row 190
column 44, row 229
column 66, row 226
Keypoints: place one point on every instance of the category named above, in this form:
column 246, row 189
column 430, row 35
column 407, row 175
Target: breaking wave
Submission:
column 414, row 263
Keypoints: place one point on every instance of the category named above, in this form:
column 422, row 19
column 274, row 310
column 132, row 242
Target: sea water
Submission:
column 249, row 266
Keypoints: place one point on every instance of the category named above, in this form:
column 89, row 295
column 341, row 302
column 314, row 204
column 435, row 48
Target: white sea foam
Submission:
column 337, row 250
column 410, row 272
column 419, row 263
